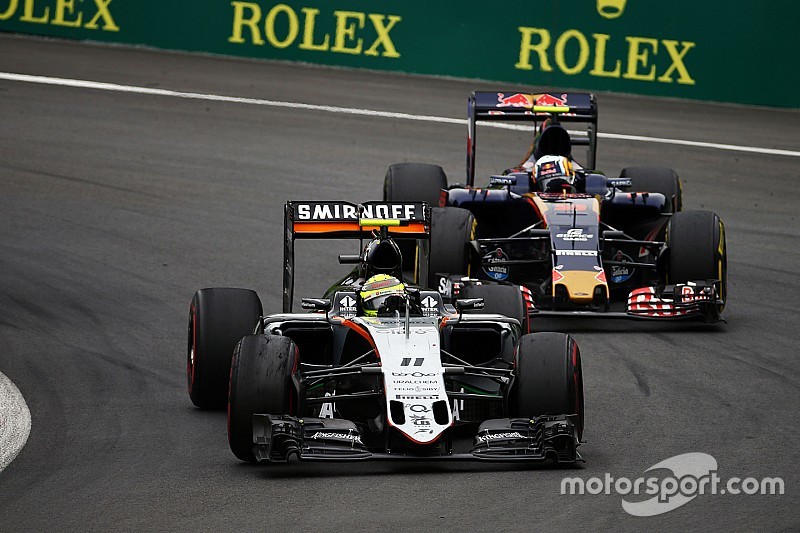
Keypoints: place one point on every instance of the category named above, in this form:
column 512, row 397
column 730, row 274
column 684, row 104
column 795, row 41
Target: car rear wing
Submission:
column 515, row 106
column 346, row 220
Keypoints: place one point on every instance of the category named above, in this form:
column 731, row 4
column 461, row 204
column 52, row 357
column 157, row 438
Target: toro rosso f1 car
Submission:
column 574, row 240
column 378, row 369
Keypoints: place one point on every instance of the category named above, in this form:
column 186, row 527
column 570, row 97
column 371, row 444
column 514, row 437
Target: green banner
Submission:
column 742, row 52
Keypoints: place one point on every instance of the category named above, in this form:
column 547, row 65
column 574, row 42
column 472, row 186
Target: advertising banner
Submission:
column 715, row 50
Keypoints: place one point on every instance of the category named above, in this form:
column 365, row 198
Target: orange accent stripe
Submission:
column 333, row 227
column 361, row 331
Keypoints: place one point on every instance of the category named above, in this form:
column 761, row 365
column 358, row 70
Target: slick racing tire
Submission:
column 697, row 249
column 413, row 182
column 260, row 383
column 548, row 379
column 218, row 318
column 503, row 300
column 452, row 229
column 656, row 179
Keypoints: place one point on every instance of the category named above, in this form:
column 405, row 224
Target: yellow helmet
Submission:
column 382, row 292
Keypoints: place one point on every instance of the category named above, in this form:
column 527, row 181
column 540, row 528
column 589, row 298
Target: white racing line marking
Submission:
column 15, row 421
column 65, row 82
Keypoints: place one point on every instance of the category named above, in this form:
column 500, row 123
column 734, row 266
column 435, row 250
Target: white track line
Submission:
column 64, row 82
column 15, row 421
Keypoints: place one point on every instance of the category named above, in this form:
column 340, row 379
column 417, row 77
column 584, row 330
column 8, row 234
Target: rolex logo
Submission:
column 611, row 9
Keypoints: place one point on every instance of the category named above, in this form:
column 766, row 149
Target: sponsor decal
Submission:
column 407, row 361
column 327, row 409
column 673, row 483
column 497, row 272
column 347, row 306
column 620, row 182
column 585, row 253
column 514, row 100
column 445, row 287
column 356, row 33
column 503, row 180
column 621, row 273
column 611, row 9
column 94, row 15
column 500, row 436
column 417, row 397
column 430, row 306
column 338, row 211
column 335, row 435
column 575, row 234
column 645, row 59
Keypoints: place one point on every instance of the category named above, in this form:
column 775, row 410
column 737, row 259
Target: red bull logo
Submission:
column 515, row 100
column 549, row 99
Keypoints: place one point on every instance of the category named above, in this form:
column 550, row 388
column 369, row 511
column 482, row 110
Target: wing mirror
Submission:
column 469, row 303
column 316, row 304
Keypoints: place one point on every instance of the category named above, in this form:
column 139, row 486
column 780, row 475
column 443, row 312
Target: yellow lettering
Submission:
column 9, row 12
column 346, row 31
column 677, row 62
column 308, row 32
column 599, row 70
column 583, row 52
column 637, row 57
column 27, row 14
column 269, row 26
column 239, row 22
column 102, row 11
column 63, row 6
column 526, row 47
column 383, row 35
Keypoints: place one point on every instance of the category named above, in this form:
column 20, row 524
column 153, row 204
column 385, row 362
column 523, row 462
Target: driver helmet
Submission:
column 552, row 172
column 382, row 294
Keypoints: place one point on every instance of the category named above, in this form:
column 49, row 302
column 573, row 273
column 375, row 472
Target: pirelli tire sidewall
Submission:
column 548, row 378
column 218, row 318
column 260, row 383
column 697, row 249
column 413, row 182
column 506, row 300
column 452, row 230
column 662, row 180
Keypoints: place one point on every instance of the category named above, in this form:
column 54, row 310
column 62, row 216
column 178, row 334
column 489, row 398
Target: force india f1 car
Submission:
column 591, row 245
column 413, row 378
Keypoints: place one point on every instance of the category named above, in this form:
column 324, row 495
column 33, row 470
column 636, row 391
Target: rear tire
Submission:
column 697, row 249
column 452, row 229
column 413, row 182
column 548, row 378
column 260, row 382
column 503, row 300
column 656, row 179
column 218, row 318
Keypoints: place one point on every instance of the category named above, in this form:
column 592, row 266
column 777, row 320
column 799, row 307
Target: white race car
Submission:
column 378, row 368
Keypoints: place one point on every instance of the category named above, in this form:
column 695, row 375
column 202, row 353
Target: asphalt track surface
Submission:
column 115, row 207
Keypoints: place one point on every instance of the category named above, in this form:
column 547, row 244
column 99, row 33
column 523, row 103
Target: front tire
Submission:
column 697, row 249
column 218, row 318
column 548, row 379
column 260, row 383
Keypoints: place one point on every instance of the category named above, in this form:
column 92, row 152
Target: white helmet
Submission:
column 552, row 172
